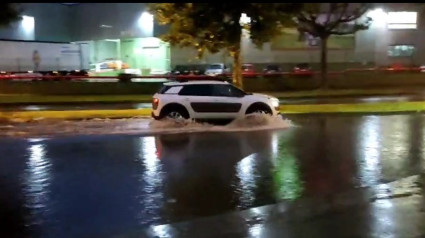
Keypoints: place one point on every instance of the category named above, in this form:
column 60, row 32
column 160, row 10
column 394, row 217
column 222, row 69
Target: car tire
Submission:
column 259, row 108
column 174, row 112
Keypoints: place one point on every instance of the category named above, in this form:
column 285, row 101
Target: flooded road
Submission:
column 97, row 185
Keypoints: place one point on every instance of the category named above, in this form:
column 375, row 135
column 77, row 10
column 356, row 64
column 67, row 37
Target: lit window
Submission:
column 401, row 50
column 402, row 20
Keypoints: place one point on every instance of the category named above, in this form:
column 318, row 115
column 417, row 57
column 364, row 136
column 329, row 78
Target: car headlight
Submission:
column 275, row 102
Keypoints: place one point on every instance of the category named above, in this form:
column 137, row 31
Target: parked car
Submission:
column 218, row 69
column 78, row 73
column 209, row 99
column 186, row 70
column 183, row 70
column 248, row 70
column 397, row 67
column 159, row 72
column 5, row 75
column 32, row 76
column 422, row 68
column 55, row 75
column 272, row 69
column 302, row 69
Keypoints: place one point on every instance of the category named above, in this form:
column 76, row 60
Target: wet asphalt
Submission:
column 103, row 185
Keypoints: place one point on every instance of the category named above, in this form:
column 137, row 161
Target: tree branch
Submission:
column 337, row 20
column 357, row 14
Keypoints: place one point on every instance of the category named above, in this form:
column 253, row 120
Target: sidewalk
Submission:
column 396, row 209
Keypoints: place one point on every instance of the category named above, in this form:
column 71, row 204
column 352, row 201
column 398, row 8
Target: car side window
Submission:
column 226, row 91
column 196, row 90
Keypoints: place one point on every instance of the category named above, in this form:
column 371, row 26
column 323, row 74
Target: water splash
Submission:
column 141, row 126
column 248, row 123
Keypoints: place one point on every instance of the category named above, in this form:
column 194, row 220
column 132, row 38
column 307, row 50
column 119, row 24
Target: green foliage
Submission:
column 215, row 26
column 325, row 19
column 9, row 13
column 322, row 20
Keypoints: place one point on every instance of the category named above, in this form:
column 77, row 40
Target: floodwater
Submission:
column 99, row 185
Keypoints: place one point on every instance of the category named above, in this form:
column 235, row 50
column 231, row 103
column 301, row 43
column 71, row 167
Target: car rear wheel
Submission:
column 175, row 115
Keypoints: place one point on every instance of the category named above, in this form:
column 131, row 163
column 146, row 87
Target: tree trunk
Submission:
column 237, row 67
column 324, row 62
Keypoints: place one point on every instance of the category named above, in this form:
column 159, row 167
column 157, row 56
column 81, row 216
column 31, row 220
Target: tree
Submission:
column 9, row 13
column 216, row 26
column 324, row 20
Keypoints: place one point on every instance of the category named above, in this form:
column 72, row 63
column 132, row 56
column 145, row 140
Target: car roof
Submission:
column 195, row 82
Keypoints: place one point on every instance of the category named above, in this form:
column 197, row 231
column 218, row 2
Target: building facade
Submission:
column 125, row 31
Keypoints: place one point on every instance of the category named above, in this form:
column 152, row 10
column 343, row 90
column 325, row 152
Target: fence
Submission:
column 286, row 81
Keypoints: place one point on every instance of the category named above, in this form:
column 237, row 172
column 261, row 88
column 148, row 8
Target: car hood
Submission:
column 213, row 71
column 262, row 95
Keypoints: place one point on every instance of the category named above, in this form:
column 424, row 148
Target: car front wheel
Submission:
column 261, row 109
column 174, row 113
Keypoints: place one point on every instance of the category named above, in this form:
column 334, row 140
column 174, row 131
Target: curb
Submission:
column 381, row 107
column 82, row 114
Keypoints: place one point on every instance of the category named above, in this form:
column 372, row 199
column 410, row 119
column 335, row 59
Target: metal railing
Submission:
column 5, row 76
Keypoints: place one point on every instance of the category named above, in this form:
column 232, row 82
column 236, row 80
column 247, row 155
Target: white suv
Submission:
column 209, row 100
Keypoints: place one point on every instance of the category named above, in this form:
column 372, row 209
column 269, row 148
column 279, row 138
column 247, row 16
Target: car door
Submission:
column 228, row 100
column 197, row 99
column 212, row 100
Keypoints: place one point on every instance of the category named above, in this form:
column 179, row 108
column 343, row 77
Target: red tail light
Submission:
column 155, row 102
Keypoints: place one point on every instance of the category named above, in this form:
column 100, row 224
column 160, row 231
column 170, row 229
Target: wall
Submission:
column 380, row 37
column 52, row 23
column 122, row 17
column 17, row 56
column 251, row 54
column 105, row 50
column 145, row 53
column 81, row 22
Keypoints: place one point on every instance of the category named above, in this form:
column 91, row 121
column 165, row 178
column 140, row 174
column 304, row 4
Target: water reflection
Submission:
column 383, row 215
column 370, row 142
column 150, row 194
column 245, row 170
column 111, row 184
column 37, row 181
column 286, row 172
column 256, row 230
column 395, row 147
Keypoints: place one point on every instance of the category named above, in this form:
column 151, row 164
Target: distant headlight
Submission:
column 275, row 102
column 211, row 73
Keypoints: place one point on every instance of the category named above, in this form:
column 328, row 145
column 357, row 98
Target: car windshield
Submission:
column 215, row 66
column 181, row 67
column 272, row 67
column 303, row 66
column 247, row 67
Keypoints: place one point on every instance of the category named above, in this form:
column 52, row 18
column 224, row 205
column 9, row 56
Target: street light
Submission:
column 145, row 23
column 244, row 19
column 379, row 16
